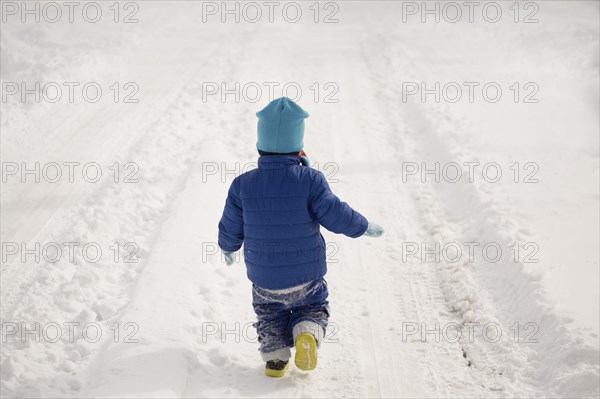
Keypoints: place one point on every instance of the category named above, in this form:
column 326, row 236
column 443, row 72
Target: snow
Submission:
column 174, row 321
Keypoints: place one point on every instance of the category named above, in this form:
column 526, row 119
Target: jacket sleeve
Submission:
column 231, row 226
column 331, row 212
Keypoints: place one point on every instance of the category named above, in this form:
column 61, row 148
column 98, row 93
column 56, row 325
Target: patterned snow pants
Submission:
column 285, row 314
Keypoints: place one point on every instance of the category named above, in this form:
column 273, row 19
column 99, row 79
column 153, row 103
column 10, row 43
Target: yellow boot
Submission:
column 306, row 351
column 276, row 368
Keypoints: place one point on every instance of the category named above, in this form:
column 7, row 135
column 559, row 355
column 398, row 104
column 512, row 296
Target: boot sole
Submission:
column 306, row 352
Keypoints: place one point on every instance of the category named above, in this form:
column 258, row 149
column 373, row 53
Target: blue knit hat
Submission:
column 281, row 126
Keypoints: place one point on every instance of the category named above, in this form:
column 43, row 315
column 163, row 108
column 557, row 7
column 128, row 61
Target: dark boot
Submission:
column 276, row 368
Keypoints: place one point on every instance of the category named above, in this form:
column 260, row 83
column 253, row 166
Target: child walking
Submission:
column 276, row 211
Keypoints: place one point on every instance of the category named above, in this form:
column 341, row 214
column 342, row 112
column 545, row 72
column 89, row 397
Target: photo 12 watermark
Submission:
column 69, row 92
column 69, row 332
column 236, row 332
column 253, row 12
column 254, row 92
column 470, row 92
column 452, row 12
column 469, row 251
column 453, row 332
column 226, row 172
column 71, row 252
column 288, row 252
column 69, row 172
column 470, row 171
column 52, row 12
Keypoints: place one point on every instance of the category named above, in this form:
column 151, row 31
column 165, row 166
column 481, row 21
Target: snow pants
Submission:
column 284, row 314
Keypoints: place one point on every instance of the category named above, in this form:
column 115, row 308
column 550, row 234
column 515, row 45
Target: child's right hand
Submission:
column 373, row 230
column 229, row 258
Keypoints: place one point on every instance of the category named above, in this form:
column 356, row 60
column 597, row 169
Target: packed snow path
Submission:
column 184, row 319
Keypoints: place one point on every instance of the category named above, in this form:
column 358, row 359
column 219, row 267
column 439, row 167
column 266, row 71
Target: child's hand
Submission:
column 374, row 230
column 229, row 258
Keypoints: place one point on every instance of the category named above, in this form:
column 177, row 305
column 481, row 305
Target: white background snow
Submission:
column 158, row 314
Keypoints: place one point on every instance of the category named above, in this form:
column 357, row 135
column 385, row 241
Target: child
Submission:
column 275, row 211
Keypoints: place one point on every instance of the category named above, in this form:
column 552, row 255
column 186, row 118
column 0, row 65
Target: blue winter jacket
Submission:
column 275, row 211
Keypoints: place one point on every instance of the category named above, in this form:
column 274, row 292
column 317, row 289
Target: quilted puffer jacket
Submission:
column 276, row 211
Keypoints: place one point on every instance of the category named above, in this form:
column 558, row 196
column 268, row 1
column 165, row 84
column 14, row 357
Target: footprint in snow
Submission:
column 208, row 314
column 216, row 357
column 74, row 385
column 221, row 273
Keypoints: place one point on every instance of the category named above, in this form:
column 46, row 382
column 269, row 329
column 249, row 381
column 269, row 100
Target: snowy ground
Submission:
column 176, row 322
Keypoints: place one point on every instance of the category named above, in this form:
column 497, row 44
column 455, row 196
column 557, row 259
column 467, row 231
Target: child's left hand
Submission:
column 374, row 230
